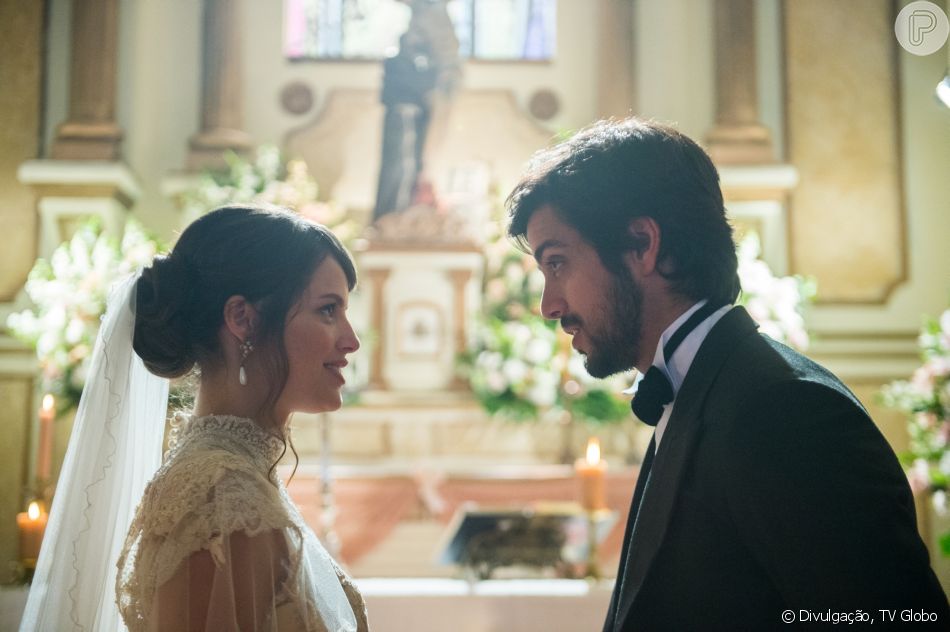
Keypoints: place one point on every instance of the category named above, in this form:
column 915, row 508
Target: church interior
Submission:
column 121, row 122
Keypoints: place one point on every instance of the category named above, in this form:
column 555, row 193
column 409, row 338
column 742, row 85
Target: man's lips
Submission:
column 573, row 329
column 571, row 325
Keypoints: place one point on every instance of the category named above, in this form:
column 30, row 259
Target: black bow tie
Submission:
column 655, row 390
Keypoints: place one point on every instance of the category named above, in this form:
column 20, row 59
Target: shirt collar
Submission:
column 678, row 366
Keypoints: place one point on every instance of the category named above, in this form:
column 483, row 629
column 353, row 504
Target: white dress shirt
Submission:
column 682, row 358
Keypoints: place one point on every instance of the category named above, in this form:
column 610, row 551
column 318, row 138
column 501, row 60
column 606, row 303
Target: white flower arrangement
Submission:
column 775, row 303
column 268, row 180
column 69, row 293
column 925, row 398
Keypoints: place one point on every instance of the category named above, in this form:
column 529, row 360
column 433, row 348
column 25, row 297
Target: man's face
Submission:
column 602, row 311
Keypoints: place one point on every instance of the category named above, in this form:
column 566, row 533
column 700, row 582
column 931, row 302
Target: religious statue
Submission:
column 418, row 84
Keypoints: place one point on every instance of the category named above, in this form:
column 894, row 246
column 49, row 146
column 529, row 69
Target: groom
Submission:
column 767, row 494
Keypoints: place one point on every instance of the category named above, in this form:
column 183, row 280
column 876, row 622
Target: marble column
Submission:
column 222, row 98
column 378, row 277
column 737, row 137
column 459, row 279
column 90, row 132
column 615, row 59
column 21, row 77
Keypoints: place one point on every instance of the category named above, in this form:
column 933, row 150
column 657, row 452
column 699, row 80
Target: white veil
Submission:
column 114, row 450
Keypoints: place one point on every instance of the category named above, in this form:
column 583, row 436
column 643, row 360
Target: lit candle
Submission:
column 592, row 473
column 32, row 524
column 44, row 455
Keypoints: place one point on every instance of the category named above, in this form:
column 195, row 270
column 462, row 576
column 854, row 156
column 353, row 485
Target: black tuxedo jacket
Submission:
column 772, row 490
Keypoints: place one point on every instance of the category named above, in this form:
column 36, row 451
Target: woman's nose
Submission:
column 349, row 341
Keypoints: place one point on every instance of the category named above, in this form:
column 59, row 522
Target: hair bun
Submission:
column 162, row 337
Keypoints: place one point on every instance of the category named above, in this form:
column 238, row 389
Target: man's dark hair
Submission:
column 614, row 171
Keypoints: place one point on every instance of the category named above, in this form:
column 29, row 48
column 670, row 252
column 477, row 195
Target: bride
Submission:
column 255, row 299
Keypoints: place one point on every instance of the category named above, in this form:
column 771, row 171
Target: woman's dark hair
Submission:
column 265, row 254
column 614, row 171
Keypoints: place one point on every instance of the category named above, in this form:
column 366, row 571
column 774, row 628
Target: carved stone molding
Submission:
column 421, row 310
column 756, row 198
column 424, row 227
column 67, row 192
column 843, row 121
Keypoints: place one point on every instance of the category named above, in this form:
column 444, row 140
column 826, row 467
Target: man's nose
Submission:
column 553, row 305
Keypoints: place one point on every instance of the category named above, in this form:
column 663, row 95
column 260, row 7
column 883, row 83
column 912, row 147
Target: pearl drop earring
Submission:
column 246, row 348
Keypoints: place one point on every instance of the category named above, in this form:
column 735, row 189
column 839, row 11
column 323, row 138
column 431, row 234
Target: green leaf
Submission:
column 945, row 544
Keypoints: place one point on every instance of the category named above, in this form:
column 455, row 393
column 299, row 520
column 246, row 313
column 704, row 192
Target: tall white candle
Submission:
column 44, row 456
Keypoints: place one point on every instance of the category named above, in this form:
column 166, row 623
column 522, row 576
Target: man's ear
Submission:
column 240, row 317
column 645, row 235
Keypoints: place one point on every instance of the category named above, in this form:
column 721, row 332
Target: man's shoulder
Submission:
column 760, row 370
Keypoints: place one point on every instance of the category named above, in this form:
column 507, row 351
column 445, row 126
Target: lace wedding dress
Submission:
column 216, row 527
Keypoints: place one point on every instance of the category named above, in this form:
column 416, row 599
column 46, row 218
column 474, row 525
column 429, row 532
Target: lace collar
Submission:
column 234, row 433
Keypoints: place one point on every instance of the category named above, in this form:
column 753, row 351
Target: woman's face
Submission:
column 318, row 337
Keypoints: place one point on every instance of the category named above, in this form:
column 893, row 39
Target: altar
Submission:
column 422, row 605
column 395, row 519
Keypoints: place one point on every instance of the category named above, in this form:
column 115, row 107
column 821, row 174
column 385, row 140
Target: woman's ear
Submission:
column 645, row 235
column 240, row 317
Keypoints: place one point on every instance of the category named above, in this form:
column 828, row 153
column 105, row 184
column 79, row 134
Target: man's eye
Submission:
column 554, row 264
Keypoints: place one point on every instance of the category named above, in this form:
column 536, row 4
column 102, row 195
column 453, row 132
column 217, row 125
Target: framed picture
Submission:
column 419, row 330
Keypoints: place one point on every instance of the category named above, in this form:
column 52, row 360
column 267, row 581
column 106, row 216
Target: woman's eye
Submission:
column 328, row 310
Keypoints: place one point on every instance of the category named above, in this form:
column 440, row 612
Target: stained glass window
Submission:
column 370, row 29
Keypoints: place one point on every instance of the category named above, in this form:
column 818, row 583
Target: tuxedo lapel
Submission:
column 642, row 478
column 672, row 458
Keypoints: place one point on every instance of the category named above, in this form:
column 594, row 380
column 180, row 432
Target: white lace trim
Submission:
column 237, row 433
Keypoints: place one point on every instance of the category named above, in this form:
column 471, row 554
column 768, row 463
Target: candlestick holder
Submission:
column 327, row 532
column 566, row 423
column 20, row 573
column 42, row 491
column 592, row 568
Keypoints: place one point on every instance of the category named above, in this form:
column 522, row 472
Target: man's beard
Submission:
column 615, row 342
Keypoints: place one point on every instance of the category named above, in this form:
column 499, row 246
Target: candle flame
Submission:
column 34, row 511
column 593, row 451
column 48, row 402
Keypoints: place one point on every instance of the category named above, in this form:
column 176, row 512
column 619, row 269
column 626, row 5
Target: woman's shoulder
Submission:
column 213, row 488
column 189, row 468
